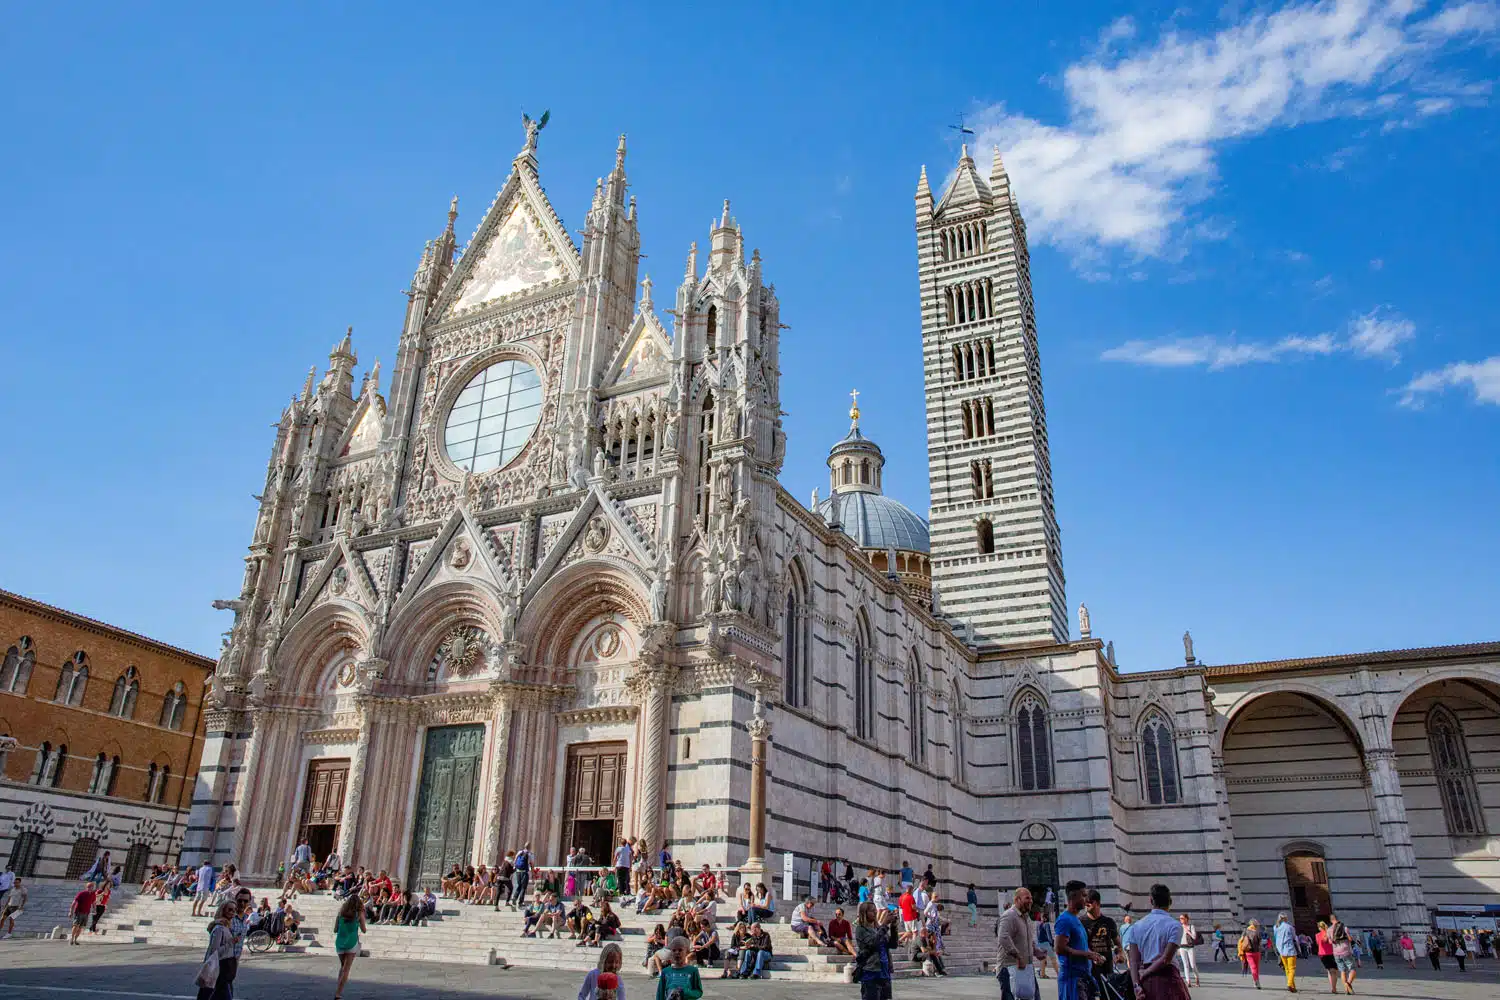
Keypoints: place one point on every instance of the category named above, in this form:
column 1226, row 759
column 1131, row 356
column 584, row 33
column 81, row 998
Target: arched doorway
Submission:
column 1294, row 768
column 1307, row 883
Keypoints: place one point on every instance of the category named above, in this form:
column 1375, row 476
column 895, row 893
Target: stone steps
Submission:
column 480, row 935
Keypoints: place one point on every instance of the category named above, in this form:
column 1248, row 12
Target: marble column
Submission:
column 760, row 738
column 354, row 794
column 1395, row 837
column 259, row 721
column 656, row 705
column 499, row 765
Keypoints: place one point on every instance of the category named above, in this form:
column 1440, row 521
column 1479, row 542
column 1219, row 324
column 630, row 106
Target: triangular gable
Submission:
column 481, row 559
column 594, row 504
column 356, row 586
column 520, row 245
column 365, row 427
column 644, row 353
column 965, row 190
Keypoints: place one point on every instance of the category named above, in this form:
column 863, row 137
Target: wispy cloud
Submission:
column 1376, row 334
column 1481, row 378
column 1147, row 119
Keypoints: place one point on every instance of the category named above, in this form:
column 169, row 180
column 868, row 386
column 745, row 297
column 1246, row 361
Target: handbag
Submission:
column 208, row 972
column 1023, row 983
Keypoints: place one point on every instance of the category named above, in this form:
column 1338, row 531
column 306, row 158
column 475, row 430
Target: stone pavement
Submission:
column 49, row 970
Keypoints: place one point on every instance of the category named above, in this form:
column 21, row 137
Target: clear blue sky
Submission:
column 1260, row 249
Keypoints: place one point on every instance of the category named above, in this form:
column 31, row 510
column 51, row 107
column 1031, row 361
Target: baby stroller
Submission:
column 1115, row 985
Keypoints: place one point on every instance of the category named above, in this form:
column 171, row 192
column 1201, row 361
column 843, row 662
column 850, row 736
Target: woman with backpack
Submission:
column 1343, row 952
column 1249, row 950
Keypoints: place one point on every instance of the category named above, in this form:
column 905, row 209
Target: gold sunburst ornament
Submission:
column 462, row 650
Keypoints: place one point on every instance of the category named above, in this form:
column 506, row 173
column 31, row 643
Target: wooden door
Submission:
column 594, row 789
column 323, row 795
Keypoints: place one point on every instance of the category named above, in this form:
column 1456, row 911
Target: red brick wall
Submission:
column 89, row 729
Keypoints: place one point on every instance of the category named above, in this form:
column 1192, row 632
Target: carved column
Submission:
column 654, row 692
column 1395, row 837
column 499, row 764
column 355, row 793
column 760, row 738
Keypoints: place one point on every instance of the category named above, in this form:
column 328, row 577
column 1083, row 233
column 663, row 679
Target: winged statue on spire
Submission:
column 533, row 126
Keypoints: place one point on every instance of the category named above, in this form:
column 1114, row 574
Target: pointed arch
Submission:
column 73, row 680
column 959, row 712
column 984, row 535
column 1033, row 741
column 1455, row 776
column 795, row 659
column 127, row 689
column 916, row 709
column 864, row 679
column 15, row 671
column 174, row 707
column 1160, row 778
column 711, row 334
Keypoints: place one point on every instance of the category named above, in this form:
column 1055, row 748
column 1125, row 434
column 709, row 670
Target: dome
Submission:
column 876, row 521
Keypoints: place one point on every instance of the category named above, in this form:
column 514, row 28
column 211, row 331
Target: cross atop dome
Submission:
column 854, row 409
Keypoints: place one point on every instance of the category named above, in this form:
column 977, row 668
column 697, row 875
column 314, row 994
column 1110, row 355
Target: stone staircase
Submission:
column 475, row 935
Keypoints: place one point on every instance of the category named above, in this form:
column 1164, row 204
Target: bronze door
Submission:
column 447, row 803
column 594, row 799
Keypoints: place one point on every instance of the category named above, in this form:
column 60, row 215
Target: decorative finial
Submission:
column 312, row 374
column 964, row 152
column 375, row 376
column 724, row 222
column 854, row 410
column 452, row 211
column 692, row 261
column 620, row 153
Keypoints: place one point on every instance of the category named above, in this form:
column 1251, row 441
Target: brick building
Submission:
column 104, row 732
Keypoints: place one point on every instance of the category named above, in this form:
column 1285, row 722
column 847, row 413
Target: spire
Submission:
column 692, row 262
column 373, row 377
column 452, row 216
column 312, row 373
column 964, row 154
column 344, row 348
column 968, row 188
column 724, row 221
column 617, row 175
column 923, row 190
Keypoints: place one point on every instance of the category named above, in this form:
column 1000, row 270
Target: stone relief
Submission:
column 517, row 257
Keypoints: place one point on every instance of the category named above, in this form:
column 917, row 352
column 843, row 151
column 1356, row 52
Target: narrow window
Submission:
column 1455, row 776
column 986, row 535
column 712, row 337
column 1033, row 747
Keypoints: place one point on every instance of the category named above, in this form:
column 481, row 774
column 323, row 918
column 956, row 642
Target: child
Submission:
column 603, row 982
column 679, row 981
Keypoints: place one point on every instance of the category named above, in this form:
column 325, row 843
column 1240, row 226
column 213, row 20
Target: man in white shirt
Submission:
column 1153, row 946
column 205, row 888
column 622, row 867
column 804, row 924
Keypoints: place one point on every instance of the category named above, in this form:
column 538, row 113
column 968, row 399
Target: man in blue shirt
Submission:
column 1074, row 960
column 1284, row 936
column 521, row 878
column 907, row 875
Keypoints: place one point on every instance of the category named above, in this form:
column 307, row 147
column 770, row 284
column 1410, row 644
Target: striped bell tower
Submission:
column 996, row 551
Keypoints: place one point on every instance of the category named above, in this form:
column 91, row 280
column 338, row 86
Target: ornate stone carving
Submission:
column 462, row 650
column 461, row 555
column 596, row 535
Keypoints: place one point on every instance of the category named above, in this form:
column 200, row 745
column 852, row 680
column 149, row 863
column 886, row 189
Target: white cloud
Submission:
column 1482, row 378
column 1147, row 119
column 1376, row 334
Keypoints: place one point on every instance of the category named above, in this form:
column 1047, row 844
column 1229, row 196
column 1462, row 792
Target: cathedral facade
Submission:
column 549, row 589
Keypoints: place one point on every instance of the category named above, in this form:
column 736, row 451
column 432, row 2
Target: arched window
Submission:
column 136, row 860
column 24, row 852
column 711, row 338
column 48, row 772
column 161, row 783
column 916, row 710
column 174, row 707
column 703, row 499
column 1159, row 761
column 791, row 653
column 127, row 689
column 43, row 755
column 72, row 680
column 985, row 535
column 15, row 672
column 960, row 764
column 1455, row 777
column 1033, row 744
column 864, row 683
column 151, row 779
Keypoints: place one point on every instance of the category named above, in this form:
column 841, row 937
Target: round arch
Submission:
column 570, row 599
column 313, row 641
column 420, row 627
column 1319, row 697
column 1483, row 685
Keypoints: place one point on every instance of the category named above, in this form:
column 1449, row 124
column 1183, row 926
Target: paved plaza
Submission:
column 49, row 970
